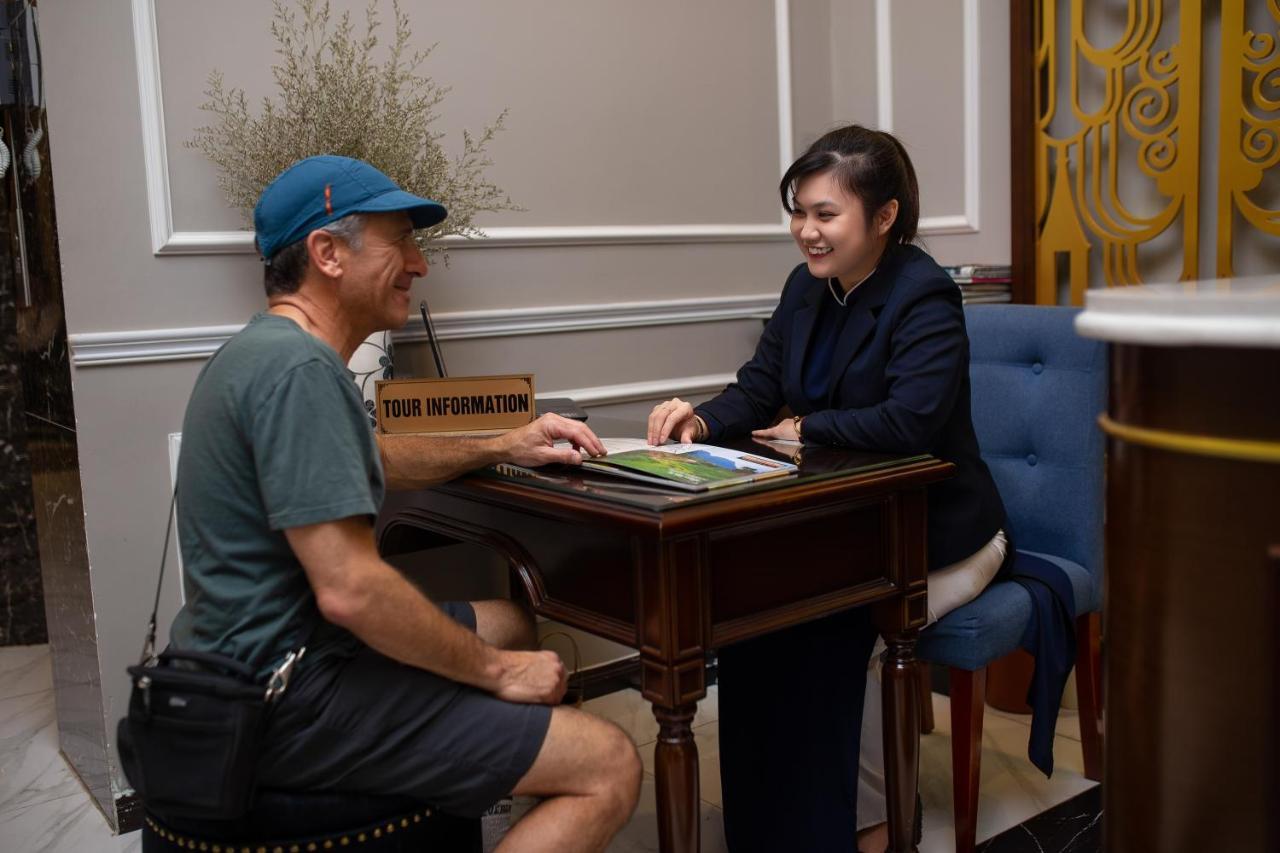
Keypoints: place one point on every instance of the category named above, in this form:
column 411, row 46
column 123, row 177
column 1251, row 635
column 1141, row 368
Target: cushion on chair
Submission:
column 991, row 626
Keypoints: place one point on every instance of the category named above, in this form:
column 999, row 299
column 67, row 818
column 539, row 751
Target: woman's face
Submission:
column 831, row 229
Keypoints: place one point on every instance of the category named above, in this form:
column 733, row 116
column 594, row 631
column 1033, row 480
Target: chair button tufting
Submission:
column 1037, row 368
column 1031, row 459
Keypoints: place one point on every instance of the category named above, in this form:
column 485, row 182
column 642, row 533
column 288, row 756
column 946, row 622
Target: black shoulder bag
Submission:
column 189, row 744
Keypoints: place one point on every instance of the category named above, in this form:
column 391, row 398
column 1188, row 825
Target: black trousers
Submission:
column 790, row 725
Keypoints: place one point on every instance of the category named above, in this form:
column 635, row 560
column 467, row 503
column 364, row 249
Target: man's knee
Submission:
column 623, row 771
column 525, row 627
column 586, row 755
column 505, row 624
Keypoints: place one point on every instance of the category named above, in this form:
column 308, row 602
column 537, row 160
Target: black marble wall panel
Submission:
column 49, row 416
column 21, row 593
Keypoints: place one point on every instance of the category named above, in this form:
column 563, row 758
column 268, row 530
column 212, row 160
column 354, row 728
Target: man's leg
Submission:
column 589, row 771
column 505, row 624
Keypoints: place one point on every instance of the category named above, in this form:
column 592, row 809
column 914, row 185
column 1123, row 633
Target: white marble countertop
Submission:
column 1231, row 312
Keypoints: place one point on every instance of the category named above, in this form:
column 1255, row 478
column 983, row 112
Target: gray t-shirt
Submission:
column 275, row 436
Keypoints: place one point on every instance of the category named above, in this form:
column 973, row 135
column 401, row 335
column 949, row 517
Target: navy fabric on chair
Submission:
column 1038, row 389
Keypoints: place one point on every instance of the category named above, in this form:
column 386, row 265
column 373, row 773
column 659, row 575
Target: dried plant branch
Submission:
column 333, row 98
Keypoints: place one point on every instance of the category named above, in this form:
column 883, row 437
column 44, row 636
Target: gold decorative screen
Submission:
column 1249, row 119
column 1118, row 124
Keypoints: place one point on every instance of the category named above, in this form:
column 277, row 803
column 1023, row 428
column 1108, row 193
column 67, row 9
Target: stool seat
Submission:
column 306, row 821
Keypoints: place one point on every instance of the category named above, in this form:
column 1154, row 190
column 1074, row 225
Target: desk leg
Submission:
column 676, row 768
column 901, row 739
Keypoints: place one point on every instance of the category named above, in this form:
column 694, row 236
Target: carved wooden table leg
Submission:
column 901, row 739
column 899, row 621
column 676, row 768
column 673, row 676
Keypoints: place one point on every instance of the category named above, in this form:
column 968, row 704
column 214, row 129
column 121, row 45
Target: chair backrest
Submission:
column 1038, row 389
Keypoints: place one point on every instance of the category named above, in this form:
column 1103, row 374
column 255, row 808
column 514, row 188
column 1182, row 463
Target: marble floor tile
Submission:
column 707, row 739
column 641, row 834
column 67, row 825
column 31, row 768
column 1011, row 788
column 1068, row 721
column 1069, row 725
column 23, row 670
column 130, row 842
column 634, row 714
column 1074, row 826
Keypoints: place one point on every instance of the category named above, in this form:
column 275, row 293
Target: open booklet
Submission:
column 692, row 467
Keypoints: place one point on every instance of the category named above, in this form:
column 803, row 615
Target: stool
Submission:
column 309, row 821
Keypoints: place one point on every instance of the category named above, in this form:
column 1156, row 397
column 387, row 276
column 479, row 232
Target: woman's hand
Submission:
column 784, row 430
column 672, row 418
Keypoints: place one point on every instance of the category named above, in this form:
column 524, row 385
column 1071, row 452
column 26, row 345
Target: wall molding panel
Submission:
column 140, row 346
column 634, row 392
column 962, row 223
column 165, row 240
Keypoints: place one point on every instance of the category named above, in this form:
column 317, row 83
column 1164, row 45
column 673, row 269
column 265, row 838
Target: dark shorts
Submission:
column 371, row 725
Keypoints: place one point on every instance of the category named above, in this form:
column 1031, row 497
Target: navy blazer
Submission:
column 899, row 384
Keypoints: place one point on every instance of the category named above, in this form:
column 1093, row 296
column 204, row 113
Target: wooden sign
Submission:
column 475, row 404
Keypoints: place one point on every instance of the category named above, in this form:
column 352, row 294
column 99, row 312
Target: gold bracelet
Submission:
column 703, row 429
column 795, row 424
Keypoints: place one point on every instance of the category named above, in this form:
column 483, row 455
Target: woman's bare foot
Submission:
column 874, row 839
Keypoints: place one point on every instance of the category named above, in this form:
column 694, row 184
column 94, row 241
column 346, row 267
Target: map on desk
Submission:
column 691, row 467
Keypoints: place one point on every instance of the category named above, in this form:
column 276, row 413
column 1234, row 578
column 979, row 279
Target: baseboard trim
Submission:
column 596, row 681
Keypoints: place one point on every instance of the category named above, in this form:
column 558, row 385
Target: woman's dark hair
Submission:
column 873, row 167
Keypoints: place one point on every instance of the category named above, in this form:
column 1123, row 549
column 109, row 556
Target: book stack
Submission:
column 981, row 283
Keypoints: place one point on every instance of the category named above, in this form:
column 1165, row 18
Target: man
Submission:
column 279, row 481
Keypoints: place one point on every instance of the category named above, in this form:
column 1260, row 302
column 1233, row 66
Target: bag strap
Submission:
column 279, row 679
column 149, row 645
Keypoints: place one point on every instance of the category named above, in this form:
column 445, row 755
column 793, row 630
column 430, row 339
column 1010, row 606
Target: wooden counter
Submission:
column 1192, row 655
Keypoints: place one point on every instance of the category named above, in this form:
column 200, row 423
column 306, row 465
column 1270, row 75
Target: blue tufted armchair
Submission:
column 1038, row 388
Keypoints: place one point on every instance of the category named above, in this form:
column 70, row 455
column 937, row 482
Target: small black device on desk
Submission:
column 566, row 407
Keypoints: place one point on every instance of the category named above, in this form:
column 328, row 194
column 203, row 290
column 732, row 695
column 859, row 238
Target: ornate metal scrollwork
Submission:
column 1249, row 119
column 1150, row 96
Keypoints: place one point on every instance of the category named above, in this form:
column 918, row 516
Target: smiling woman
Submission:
column 866, row 350
column 849, row 199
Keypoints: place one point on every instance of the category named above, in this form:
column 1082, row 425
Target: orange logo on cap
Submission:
column 328, row 199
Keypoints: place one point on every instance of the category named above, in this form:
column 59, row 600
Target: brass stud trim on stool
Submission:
column 185, row 843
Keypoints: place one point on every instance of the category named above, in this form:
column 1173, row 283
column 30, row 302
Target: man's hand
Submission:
column 533, row 678
column 534, row 444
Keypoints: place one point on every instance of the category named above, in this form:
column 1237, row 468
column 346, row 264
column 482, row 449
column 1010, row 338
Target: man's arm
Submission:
column 355, row 589
column 419, row 461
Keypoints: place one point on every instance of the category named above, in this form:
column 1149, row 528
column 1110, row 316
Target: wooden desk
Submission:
column 675, row 575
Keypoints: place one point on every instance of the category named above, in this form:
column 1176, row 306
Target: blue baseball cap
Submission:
column 318, row 190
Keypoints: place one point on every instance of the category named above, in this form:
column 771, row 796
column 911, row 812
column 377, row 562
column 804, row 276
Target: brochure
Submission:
column 692, row 467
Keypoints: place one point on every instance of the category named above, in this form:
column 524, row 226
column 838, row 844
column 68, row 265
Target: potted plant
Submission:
column 333, row 96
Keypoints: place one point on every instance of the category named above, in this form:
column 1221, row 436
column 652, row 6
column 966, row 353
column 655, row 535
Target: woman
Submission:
column 868, row 350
